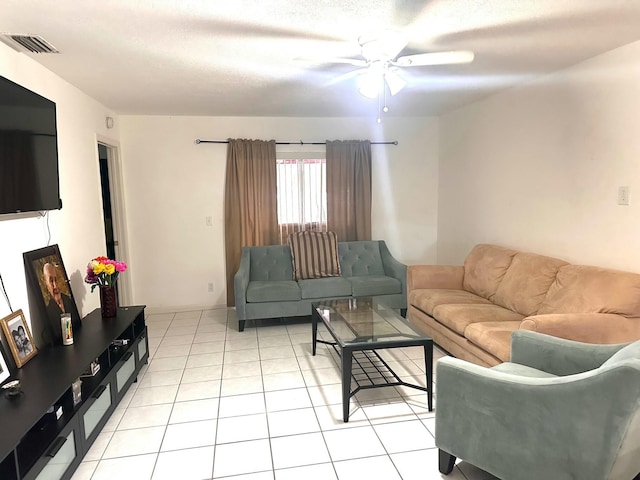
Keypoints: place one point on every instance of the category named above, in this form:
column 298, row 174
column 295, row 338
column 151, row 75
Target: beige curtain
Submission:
column 250, row 201
column 349, row 189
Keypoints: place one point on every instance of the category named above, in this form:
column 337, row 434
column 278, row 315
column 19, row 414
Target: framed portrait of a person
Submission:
column 16, row 331
column 49, row 285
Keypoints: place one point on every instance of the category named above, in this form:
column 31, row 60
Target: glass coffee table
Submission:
column 360, row 326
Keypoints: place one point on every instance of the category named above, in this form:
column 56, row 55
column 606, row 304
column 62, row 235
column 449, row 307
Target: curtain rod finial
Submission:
column 197, row 141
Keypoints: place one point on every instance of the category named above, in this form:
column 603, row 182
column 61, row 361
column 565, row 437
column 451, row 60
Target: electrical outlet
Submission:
column 623, row 195
column 210, row 287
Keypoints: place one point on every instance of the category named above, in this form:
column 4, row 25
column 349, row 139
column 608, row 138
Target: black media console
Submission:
column 35, row 444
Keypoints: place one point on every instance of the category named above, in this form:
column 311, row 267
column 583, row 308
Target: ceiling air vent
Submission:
column 31, row 43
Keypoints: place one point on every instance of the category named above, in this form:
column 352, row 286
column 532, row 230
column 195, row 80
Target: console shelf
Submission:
column 36, row 444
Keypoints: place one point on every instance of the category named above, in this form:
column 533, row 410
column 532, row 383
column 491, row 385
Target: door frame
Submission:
column 120, row 234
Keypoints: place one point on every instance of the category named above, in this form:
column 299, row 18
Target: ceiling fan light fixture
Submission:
column 369, row 85
column 394, row 81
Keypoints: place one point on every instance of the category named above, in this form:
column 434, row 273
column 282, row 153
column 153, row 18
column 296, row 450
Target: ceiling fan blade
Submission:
column 346, row 76
column 436, row 58
column 326, row 60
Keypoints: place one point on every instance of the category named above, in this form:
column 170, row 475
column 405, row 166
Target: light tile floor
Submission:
column 214, row 403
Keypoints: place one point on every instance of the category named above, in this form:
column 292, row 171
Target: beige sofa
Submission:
column 471, row 310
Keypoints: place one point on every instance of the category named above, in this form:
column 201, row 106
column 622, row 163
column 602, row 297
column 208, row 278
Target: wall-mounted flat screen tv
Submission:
column 28, row 151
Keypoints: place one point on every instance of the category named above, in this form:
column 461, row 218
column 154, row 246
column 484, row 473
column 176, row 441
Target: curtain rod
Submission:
column 198, row 141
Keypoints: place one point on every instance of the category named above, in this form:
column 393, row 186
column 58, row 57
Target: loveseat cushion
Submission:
column 493, row 337
column 273, row 291
column 324, row 287
column 586, row 289
column 427, row 299
column 360, row 258
column 459, row 317
column 526, row 282
column 270, row 262
column 484, row 268
column 370, row 285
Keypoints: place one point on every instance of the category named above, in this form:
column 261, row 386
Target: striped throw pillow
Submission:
column 314, row 254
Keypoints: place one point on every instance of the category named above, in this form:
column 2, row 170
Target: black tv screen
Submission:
column 28, row 151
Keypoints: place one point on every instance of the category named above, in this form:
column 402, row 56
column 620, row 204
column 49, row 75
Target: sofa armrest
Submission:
column 435, row 276
column 585, row 327
column 392, row 267
column 558, row 355
column 241, row 282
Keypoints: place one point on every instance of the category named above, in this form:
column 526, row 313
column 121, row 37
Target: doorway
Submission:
column 107, row 211
column 113, row 214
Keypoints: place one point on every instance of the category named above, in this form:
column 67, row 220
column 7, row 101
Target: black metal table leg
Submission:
column 314, row 331
column 428, row 363
column 347, row 357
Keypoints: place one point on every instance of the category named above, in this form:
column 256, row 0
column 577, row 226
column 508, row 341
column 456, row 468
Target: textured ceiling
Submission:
column 238, row 57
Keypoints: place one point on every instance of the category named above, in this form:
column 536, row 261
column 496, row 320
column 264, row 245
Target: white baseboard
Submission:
column 184, row 308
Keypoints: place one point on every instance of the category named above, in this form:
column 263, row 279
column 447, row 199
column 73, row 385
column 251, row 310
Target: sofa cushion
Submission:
column 526, row 282
column 586, row 289
column 360, row 258
column 493, row 337
column 270, row 262
column 315, row 254
column 459, row 317
column 484, row 268
column 325, row 287
column 427, row 299
column 370, row 285
column 273, row 291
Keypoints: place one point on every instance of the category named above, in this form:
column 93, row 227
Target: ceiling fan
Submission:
column 380, row 63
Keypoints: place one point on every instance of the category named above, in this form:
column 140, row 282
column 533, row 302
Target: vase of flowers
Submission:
column 103, row 273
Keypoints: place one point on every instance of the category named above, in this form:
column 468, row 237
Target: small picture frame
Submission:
column 16, row 331
column 4, row 370
column 49, row 285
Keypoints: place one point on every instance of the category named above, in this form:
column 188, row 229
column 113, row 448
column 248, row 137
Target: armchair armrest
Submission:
column 435, row 276
column 585, row 327
column 558, row 355
column 506, row 423
column 392, row 267
column 241, row 282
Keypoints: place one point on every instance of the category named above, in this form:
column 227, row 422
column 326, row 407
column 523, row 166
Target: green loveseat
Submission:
column 265, row 286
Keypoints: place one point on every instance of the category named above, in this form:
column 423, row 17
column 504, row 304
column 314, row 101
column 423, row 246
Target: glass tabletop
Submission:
column 365, row 320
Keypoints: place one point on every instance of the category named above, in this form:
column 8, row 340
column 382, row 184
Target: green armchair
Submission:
column 560, row 410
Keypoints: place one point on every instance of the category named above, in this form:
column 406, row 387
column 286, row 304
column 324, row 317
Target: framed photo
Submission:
column 4, row 370
column 19, row 338
column 49, row 286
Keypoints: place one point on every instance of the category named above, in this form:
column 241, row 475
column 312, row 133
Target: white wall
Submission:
column 538, row 168
column 172, row 184
column 77, row 228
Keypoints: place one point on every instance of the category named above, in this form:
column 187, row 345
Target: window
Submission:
column 302, row 194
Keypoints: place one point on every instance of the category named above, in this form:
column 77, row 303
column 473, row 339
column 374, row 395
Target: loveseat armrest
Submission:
column 241, row 283
column 392, row 267
column 585, row 327
column 435, row 276
column 558, row 355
